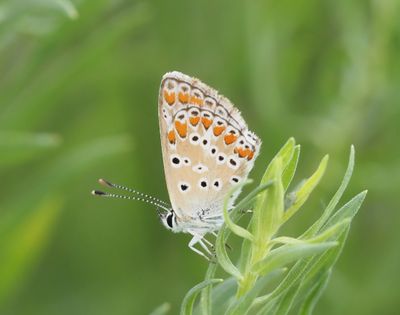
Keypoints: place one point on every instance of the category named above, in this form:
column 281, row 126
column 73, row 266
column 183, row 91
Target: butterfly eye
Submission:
column 169, row 219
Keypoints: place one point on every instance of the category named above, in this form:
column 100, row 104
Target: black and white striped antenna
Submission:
column 141, row 196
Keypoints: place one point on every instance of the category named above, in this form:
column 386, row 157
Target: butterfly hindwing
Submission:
column 206, row 145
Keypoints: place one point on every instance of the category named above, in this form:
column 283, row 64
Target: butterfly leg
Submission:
column 203, row 244
column 199, row 239
column 226, row 244
column 210, row 246
column 196, row 239
column 207, row 242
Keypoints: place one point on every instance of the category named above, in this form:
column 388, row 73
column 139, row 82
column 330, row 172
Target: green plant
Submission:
column 276, row 274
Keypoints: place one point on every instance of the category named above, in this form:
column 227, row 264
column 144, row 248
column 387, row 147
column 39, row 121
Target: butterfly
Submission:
column 207, row 150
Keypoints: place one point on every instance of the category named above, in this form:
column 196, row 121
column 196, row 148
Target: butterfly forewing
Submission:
column 206, row 146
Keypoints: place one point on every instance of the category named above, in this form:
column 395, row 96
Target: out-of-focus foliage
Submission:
column 78, row 98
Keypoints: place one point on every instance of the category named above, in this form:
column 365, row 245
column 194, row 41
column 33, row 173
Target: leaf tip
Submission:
column 352, row 153
column 363, row 194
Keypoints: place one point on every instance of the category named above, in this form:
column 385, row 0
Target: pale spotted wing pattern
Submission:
column 207, row 149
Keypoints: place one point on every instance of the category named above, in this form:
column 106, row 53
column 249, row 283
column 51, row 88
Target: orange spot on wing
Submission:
column 183, row 97
column 243, row 152
column 206, row 122
column 181, row 128
column 196, row 100
column 250, row 156
column 171, row 136
column 230, row 138
column 169, row 97
column 218, row 130
column 194, row 120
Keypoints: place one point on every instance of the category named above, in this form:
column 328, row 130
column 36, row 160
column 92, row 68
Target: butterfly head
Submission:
column 168, row 219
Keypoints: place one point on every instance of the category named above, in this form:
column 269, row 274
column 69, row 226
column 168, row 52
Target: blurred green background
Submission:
column 78, row 101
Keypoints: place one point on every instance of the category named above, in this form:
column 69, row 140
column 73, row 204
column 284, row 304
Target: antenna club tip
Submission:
column 105, row 182
column 98, row 193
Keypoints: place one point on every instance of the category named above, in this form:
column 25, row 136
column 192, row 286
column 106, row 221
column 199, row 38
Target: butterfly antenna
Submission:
column 108, row 195
column 106, row 183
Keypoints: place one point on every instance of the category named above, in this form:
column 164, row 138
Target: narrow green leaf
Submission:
column 286, row 240
column 222, row 256
column 243, row 304
column 284, row 255
column 190, row 297
column 328, row 259
column 317, row 266
column 348, row 211
column 222, row 294
column 302, row 194
column 268, row 211
column 266, row 219
column 295, row 293
column 290, row 169
column 285, row 154
column 246, row 201
column 335, row 199
column 314, row 294
column 162, row 309
column 300, row 270
column 332, row 233
column 268, row 308
column 270, row 300
column 314, row 268
column 284, row 305
column 245, row 253
column 322, row 237
column 205, row 295
column 236, row 229
column 238, row 212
